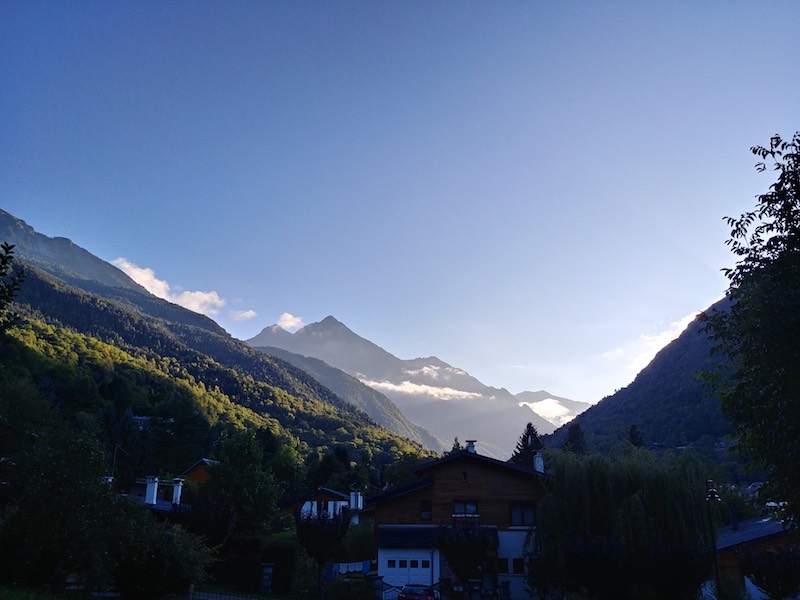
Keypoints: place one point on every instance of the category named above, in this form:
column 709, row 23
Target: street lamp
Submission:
column 711, row 496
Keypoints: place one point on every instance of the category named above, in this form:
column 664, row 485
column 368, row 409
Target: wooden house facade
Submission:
column 463, row 486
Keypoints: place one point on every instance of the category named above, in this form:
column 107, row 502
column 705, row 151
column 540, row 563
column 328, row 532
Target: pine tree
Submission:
column 576, row 442
column 527, row 447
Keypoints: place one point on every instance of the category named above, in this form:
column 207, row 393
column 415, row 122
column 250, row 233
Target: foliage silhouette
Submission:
column 759, row 329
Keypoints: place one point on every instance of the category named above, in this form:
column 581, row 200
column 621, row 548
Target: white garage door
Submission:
column 402, row 566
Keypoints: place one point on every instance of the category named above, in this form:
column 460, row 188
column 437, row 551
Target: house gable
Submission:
column 466, row 485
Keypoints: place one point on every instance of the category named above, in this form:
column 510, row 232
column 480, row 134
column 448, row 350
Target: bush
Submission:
column 154, row 559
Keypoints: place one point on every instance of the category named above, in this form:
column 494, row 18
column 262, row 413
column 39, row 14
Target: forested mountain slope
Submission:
column 667, row 402
column 102, row 350
column 67, row 263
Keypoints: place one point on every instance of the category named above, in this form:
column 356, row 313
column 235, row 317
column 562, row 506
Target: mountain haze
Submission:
column 382, row 410
column 441, row 398
column 555, row 409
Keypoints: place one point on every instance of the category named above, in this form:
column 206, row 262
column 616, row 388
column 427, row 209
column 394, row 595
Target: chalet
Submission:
column 199, row 471
column 462, row 486
column 762, row 534
column 326, row 500
column 164, row 495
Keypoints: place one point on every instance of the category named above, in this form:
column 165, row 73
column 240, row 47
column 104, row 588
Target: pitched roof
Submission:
column 205, row 461
column 332, row 492
column 401, row 491
column 750, row 530
column 493, row 462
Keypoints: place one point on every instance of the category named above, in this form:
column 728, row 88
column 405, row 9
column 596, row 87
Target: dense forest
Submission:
column 100, row 357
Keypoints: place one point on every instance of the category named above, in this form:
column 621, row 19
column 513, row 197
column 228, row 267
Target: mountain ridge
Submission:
column 380, row 408
column 60, row 256
column 668, row 403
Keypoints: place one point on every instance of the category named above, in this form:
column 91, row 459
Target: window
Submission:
column 465, row 508
column 425, row 510
column 523, row 514
column 426, row 564
column 391, row 564
column 502, row 565
column 415, row 564
column 403, row 564
column 519, row 566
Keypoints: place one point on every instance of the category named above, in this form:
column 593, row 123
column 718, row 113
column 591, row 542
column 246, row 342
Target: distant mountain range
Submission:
column 325, row 363
column 351, row 390
column 444, row 399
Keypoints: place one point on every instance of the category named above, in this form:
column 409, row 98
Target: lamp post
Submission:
column 711, row 496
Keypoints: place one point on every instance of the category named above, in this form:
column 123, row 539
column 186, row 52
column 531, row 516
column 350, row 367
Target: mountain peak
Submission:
column 329, row 326
column 331, row 321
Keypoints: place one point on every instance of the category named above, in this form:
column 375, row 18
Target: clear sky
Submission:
column 531, row 191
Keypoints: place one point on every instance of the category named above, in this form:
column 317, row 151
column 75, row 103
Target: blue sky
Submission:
column 531, row 191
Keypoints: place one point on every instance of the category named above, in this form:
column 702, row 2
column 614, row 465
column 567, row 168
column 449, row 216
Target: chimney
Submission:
column 471, row 446
column 356, row 500
column 538, row 462
column 151, row 492
column 177, row 489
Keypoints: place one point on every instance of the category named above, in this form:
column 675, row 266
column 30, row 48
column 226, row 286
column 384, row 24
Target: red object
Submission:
column 416, row 591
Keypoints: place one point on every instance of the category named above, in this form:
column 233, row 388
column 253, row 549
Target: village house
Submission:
column 165, row 495
column 461, row 486
column 332, row 502
column 760, row 533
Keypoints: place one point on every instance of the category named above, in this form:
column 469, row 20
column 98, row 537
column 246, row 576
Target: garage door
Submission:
column 403, row 567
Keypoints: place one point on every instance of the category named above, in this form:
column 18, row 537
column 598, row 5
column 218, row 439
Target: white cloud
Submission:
column 409, row 387
column 289, row 322
column 550, row 409
column 434, row 372
column 144, row 277
column 243, row 315
column 428, row 371
column 207, row 303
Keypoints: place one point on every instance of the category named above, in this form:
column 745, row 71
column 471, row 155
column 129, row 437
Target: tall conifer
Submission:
column 527, row 447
